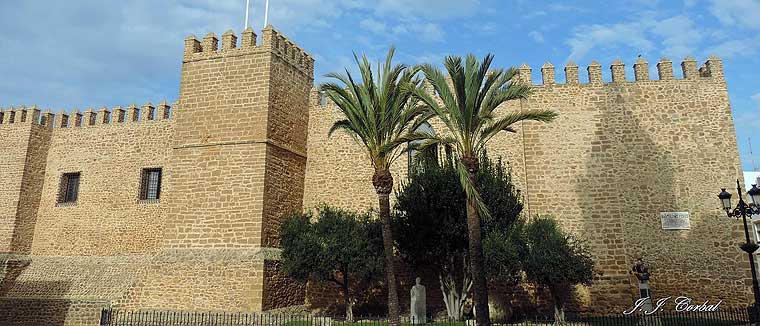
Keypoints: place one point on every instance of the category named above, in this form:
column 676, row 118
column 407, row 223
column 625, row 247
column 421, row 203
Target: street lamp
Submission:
column 743, row 210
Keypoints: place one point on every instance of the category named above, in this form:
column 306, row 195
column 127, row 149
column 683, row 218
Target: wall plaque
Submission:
column 675, row 220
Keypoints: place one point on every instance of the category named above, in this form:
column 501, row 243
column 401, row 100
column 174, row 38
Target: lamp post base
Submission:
column 754, row 314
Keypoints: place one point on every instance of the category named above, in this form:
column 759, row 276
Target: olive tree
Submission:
column 557, row 261
column 336, row 246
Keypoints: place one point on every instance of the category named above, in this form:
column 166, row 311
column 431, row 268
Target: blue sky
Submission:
column 94, row 53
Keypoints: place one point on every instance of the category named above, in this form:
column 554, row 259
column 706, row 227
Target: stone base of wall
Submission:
column 50, row 312
column 231, row 280
column 279, row 290
column 41, row 290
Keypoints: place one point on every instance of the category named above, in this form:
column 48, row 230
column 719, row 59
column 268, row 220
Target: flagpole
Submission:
column 266, row 14
column 247, row 6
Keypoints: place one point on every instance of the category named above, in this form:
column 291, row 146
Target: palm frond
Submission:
column 513, row 91
column 348, row 129
column 377, row 105
column 471, row 191
column 506, row 122
column 408, row 138
column 466, row 104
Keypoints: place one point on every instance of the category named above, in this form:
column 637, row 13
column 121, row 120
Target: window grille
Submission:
column 69, row 189
column 150, row 186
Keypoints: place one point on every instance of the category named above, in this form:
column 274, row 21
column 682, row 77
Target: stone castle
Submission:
column 178, row 208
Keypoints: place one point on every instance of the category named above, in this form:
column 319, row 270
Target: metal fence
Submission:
column 111, row 317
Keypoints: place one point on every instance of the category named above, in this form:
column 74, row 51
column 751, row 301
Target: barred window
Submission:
column 150, row 186
column 69, row 189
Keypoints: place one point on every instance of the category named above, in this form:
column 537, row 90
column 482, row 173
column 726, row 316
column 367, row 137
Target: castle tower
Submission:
column 22, row 167
column 238, row 166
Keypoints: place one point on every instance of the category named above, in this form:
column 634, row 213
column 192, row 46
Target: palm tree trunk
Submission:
column 479, row 285
column 390, row 275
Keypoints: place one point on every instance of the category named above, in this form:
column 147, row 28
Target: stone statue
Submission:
column 418, row 306
column 640, row 270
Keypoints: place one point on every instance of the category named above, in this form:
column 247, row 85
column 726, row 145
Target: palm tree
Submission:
column 378, row 114
column 466, row 107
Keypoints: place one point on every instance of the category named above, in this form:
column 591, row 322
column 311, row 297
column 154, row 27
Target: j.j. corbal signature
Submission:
column 682, row 304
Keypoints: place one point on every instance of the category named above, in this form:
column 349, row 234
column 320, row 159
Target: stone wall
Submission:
column 22, row 161
column 338, row 171
column 36, row 312
column 633, row 149
column 108, row 217
column 279, row 290
column 238, row 161
column 289, row 90
column 620, row 153
column 199, row 279
column 78, row 256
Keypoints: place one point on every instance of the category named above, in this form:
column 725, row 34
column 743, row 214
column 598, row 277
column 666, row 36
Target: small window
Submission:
column 69, row 190
column 150, row 186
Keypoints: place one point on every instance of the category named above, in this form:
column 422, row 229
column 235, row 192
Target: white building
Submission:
column 751, row 178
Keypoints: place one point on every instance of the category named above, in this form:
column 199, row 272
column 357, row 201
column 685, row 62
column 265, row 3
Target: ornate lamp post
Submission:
column 743, row 210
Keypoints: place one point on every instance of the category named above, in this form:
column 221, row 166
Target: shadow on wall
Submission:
column 32, row 311
column 31, row 189
column 627, row 178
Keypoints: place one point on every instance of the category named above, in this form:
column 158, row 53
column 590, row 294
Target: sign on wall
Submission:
column 675, row 220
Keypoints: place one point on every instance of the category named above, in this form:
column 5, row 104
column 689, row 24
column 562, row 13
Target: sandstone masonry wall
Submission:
column 22, row 160
column 620, row 153
column 70, row 260
column 338, row 171
column 238, row 159
column 108, row 217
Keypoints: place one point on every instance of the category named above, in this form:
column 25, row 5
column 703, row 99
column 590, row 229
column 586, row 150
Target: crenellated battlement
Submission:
column 272, row 41
column 19, row 115
column 89, row 118
column 712, row 68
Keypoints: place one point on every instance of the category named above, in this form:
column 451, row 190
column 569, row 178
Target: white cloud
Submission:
column 537, row 36
column 756, row 99
column 647, row 3
column 675, row 37
column 734, row 48
column 561, row 7
column 400, row 30
column 425, row 9
column 78, row 68
column 747, row 120
column 428, row 32
column 587, row 37
column 747, row 117
column 679, row 35
column 372, row 25
column 431, row 58
column 741, row 13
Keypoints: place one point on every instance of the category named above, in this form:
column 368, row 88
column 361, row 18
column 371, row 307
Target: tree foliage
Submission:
column 431, row 228
column 429, row 223
column 556, row 260
column 504, row 249
column 337, row 246
column 466, row 105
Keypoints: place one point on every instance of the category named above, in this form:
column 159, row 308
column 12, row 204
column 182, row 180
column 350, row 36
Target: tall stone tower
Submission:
column 238, row 165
